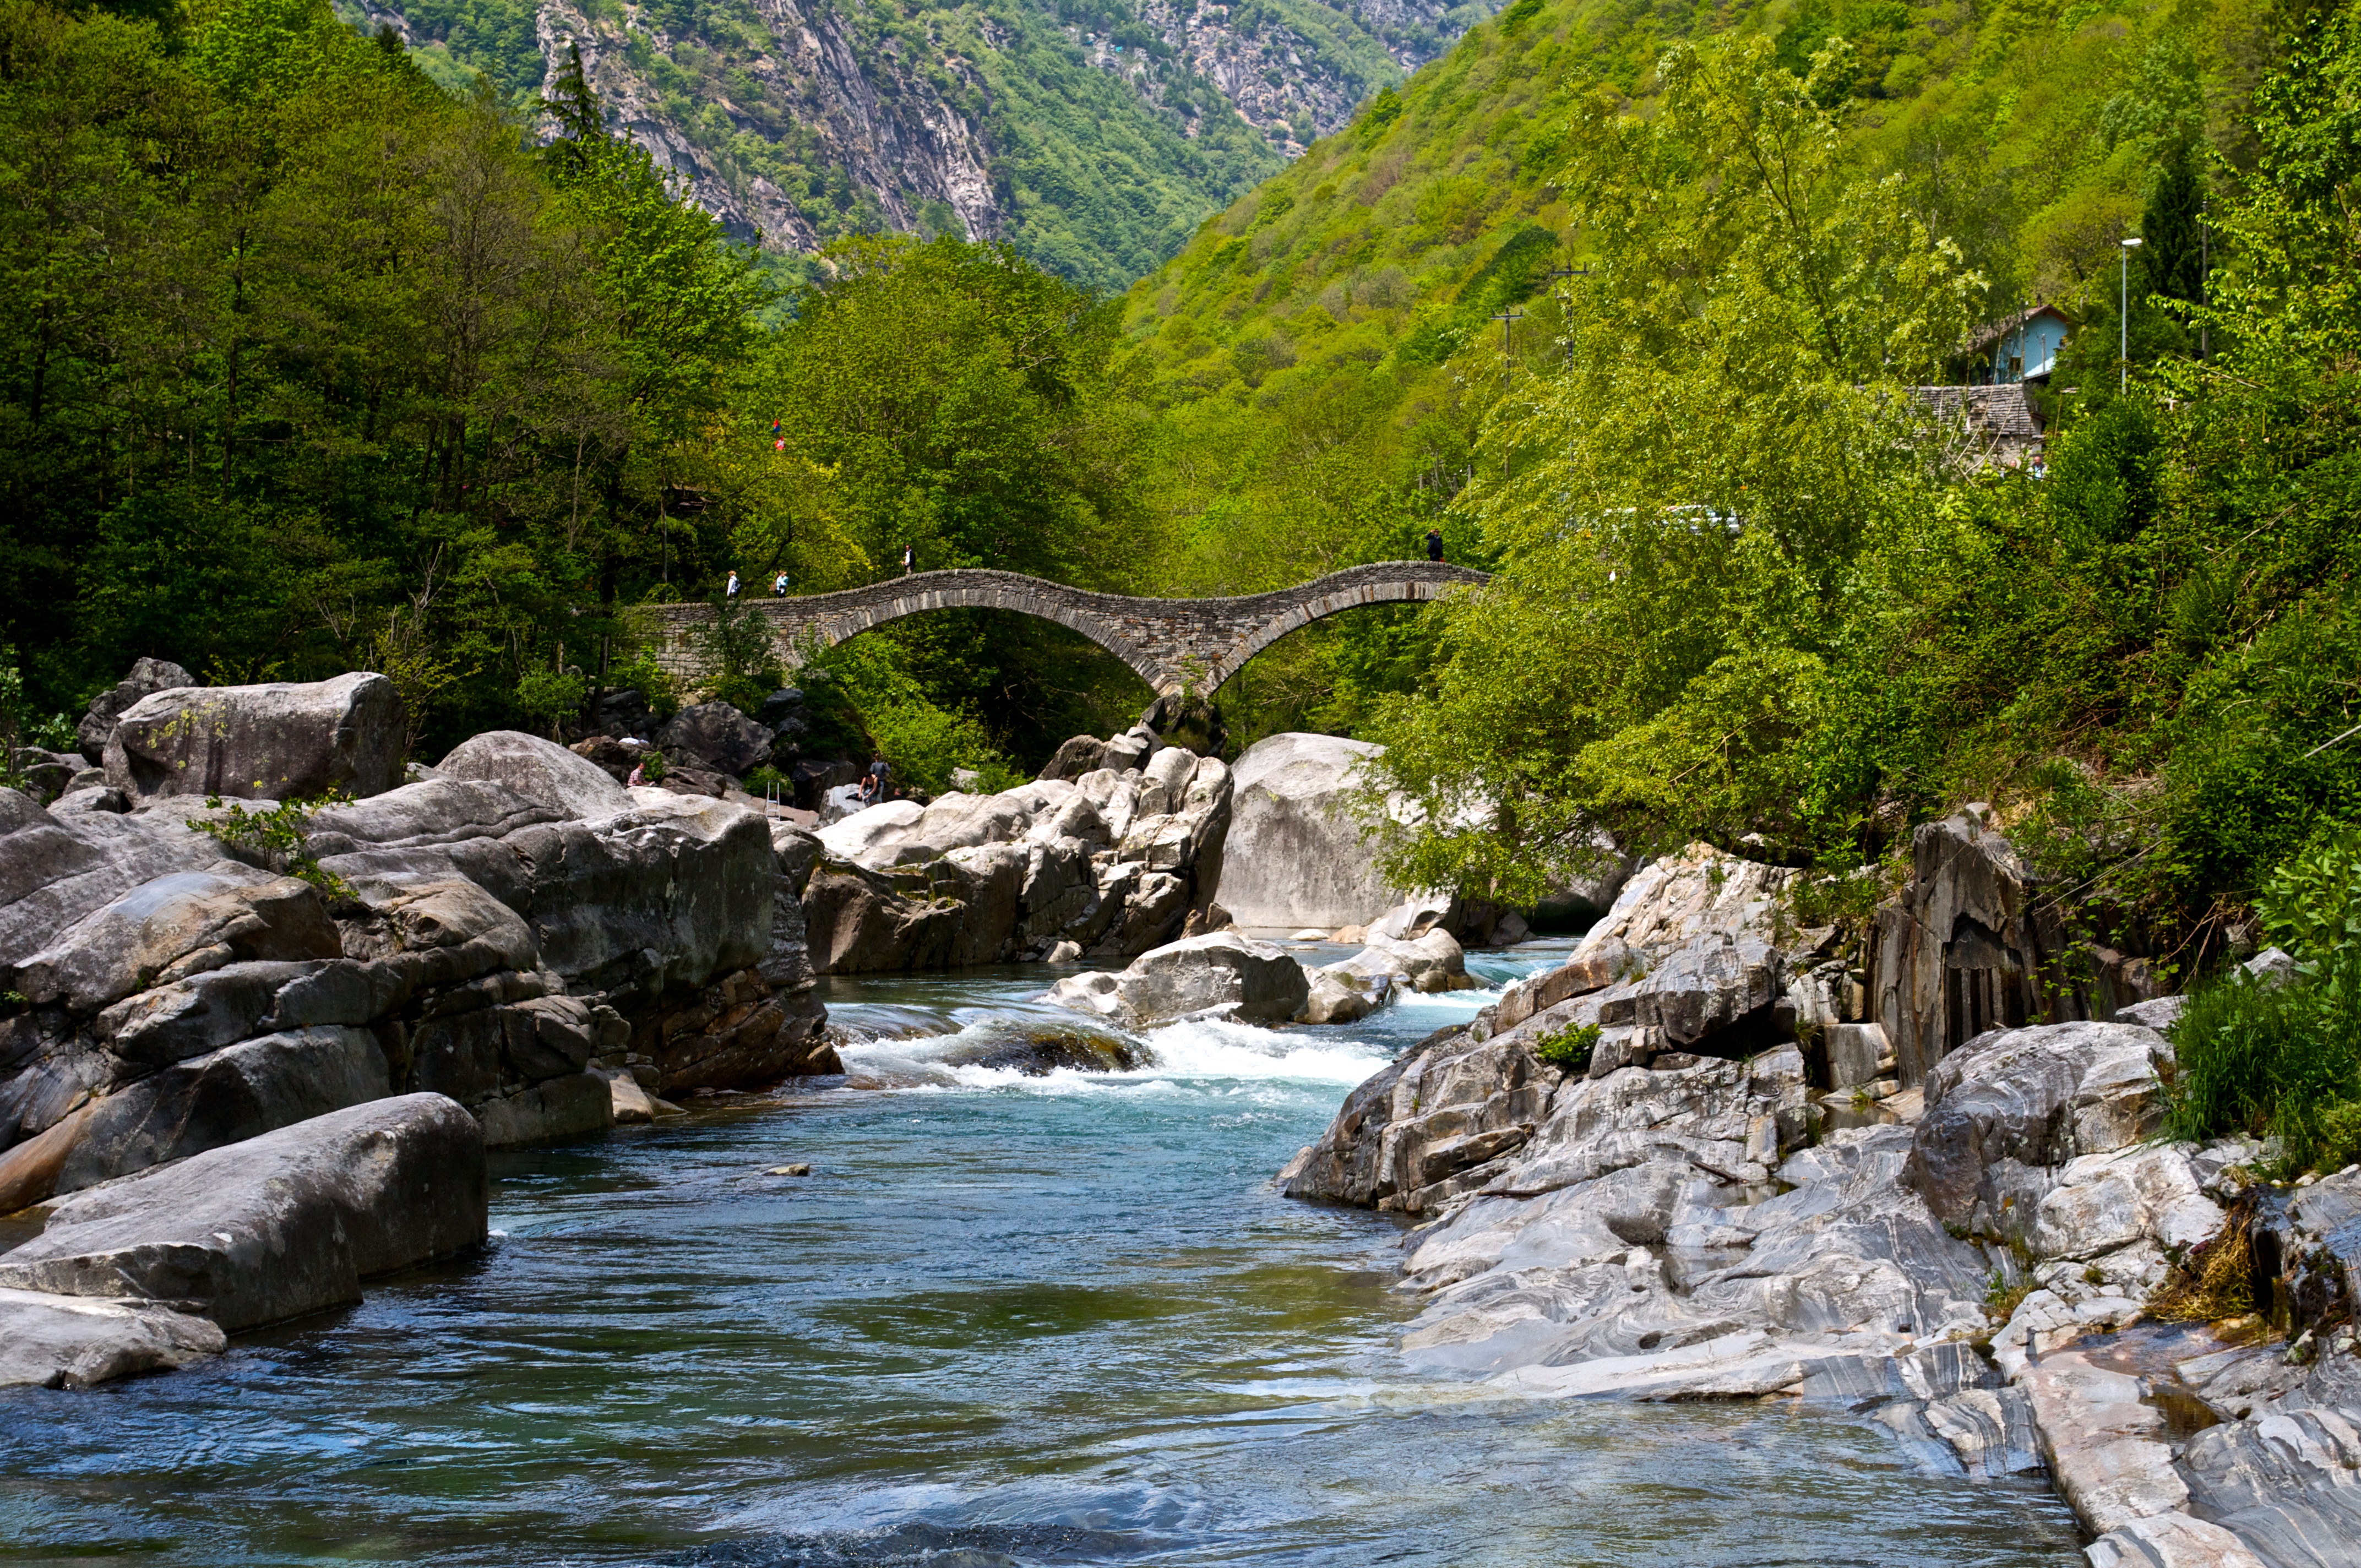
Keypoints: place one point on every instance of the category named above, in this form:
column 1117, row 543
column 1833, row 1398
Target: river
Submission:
column 1006, row 1320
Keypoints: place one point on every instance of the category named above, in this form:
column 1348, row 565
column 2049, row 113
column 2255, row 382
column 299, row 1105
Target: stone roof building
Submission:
column 1999, row 424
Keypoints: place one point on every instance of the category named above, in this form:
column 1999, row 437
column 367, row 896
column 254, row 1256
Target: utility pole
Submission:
column 1564, row 300
column 2204, row 275
column 2124, row 316
column 1506, row 319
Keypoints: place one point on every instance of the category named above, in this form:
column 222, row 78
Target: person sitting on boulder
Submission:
column 1435, row 545
column 877, row 783
column 639, row 776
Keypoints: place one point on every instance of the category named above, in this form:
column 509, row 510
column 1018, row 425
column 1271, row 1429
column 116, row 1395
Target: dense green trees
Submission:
column 309, row 365
column 1751, row 594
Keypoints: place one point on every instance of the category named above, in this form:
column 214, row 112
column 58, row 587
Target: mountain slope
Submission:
column 1371, row 273
column 1093, row 134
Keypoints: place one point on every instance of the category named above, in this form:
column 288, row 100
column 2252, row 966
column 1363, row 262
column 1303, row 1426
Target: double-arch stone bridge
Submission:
column 1172, row 644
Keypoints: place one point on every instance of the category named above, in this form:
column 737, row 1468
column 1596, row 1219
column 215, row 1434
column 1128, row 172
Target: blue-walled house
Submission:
column 2021, row 348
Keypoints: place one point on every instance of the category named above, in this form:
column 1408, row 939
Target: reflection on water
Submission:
column 1013, row 1317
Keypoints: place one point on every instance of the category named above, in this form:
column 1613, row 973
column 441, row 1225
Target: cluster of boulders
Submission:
column 512, row 934
column 710, row 748
column 1686, row 1164
column 1121, row 859
column 1225, row 974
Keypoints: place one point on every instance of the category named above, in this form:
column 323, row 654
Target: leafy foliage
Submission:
column 1570, row 1048
column 275, row 838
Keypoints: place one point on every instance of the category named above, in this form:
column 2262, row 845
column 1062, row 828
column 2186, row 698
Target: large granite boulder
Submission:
column 540, row 770
column 56, row 869
column 106, row 708
column 176, row 925
column 717, row 737
column 277, row 1226
column 493, row 950
column 1081, row 754
column 1430, row 962
column 1220, row 973
column 268, row 742
column 1295, row 856
column 2014, row 1101
column 225, row 1097
column 667, row 895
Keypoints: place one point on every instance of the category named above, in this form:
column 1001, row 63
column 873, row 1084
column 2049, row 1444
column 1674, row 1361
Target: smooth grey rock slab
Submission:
column 79, row 1342
column 186, row 923
column 277, row 1226
column 236, row 1093
column 540, row 770
column 2171, row 1540
column 565, row 1107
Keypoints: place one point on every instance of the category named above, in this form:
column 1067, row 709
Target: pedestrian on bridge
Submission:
column 779, row 585
column 909, row 559
column 730, row 591
column 1435, row 545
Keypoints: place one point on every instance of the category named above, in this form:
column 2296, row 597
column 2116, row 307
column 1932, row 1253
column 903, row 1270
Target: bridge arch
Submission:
column 1171, row 644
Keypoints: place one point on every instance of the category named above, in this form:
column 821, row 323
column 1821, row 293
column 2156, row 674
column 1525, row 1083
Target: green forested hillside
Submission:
column 1751, row 590
column 1364, row 274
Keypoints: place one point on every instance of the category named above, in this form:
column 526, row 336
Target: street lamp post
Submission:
column 2123, row 318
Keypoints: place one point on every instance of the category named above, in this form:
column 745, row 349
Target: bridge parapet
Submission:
column 1171, row 644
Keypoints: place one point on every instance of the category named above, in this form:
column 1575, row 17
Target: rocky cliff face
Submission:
column 1096, row 145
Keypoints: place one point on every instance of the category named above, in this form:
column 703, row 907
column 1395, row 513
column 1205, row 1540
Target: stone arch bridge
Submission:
column 1171, row 644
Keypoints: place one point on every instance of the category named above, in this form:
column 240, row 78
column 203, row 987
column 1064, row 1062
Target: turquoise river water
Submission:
column 1007, row 1320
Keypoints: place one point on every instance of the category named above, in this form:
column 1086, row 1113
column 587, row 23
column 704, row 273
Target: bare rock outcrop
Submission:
column 469, row 935
column 1968, row 945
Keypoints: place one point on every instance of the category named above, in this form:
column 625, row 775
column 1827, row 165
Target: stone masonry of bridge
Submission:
column 1172, row 644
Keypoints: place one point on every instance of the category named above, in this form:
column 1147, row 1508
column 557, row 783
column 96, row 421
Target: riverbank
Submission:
column 1048, row 1319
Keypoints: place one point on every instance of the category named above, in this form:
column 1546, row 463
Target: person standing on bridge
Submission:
column 910, row 558
column 779, row 585
column 1435, row 545
column 730, row 590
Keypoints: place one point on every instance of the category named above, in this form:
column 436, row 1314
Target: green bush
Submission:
column 650, row 680
column 1570, row 1048
column 277, row 838
column 549, row 696
column 2284, row 1061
